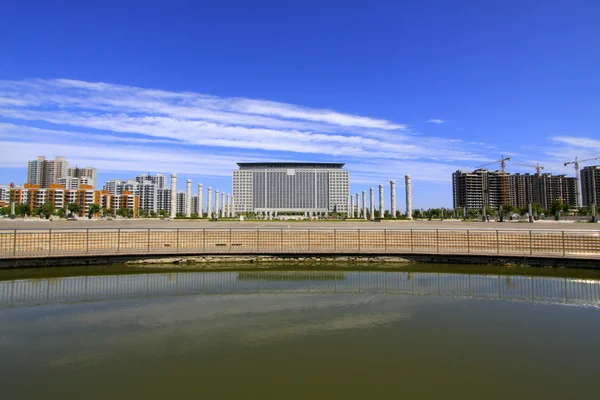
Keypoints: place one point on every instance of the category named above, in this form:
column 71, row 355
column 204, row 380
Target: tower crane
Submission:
column 576, row 165
column 502, row 162
column 537, row 167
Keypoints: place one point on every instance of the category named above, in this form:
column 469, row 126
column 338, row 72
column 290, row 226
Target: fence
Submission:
column 76, row 242
column 97, row 288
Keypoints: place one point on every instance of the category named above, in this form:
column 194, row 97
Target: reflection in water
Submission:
column 74, row 289
column 350, row 335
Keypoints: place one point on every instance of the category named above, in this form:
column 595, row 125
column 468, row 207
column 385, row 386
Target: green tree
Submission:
column 472, row 214
column 46, row 209
column 74, row 208
column 94, row 209
column 417, row 213
column 194, row 215
column 153, row 214
column 164, row 213
column 22, row 210
column 557, row 205
column 142, row 213
column 5, row 210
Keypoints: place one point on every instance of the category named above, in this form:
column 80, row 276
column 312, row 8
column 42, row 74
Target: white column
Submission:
column 233, row 213
column 209, row 203
column 357, row 205
column 381, row 210
column 229, row 206
column 393, row 194
column 217, row 203
column 408, row 196
column 364, row 204
column 349, row 206
column 372, row 203
column 199, row 210
column 223, row 215
column 173, row 195
column 188, row 198
column 351, row 211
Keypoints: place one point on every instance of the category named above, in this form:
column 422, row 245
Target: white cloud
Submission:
column 435, row 121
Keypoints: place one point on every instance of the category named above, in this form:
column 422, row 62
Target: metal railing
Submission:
column 99, row 242
column 569, row 291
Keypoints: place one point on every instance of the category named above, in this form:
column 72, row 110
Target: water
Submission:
column 299, row 334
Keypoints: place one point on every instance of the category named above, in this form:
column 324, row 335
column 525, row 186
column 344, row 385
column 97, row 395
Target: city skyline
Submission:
column 388, row 100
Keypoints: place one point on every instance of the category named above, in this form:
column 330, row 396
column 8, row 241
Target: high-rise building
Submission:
column 590, row 185
column 194, row 204
column 44, row 172
column 72, row 183
column 87, row 172
column 290, row 187
column 159, row 180
column 163, row 199
column 472, row 190
column 181, row 203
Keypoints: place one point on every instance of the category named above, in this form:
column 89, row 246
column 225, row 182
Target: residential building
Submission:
column 73, row 183
column 87, row 172
column 44, row 172
column 126, row 200
column 181, row 203
column 308, row 188
column 590, row 185
column 163, row 199
column 112, row 186
column 159, row 180
column 195, row 205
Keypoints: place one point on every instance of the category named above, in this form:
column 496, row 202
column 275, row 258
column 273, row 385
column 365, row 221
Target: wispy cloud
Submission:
column 435, row 121
column 128, row 128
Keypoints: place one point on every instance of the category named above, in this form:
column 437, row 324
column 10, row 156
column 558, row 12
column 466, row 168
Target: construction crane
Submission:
column 576, row 165
column 502, row 162
column 537, row 167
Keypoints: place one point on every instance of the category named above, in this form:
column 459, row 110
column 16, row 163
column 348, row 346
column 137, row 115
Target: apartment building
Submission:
column 590, row 185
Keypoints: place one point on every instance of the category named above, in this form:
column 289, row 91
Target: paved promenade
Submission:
column 416, row 224
column 22, row 239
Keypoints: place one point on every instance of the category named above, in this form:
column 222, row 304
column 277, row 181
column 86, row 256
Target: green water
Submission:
column 430, row 333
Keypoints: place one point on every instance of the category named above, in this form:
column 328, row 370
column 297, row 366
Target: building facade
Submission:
column 44, row 172
column 308, row 188
column 590, row 185
column 473, row 190
column 90, row 173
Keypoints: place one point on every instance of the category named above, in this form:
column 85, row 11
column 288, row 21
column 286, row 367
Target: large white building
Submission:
column 308, row 188
column 89, row 173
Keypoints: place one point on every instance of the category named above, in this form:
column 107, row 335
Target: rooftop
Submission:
column 289, row 165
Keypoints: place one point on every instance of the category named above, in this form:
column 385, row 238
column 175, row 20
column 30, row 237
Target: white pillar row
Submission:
column 372, row 203
column 357, row 205
column 364, row 204
column 199, row 210
column 381, row 210
column 351, row 210
column 393, row 198
column 209, row 203
column 173, row 195
column 217, row 203
column 188, row 198
column 223, row 215
column 233, row 213
column 407, row 179
column 229, row 206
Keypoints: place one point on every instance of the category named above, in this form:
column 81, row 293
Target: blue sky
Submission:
column 390, row 88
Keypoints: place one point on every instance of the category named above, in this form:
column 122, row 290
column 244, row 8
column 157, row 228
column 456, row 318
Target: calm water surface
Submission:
column 300, row 334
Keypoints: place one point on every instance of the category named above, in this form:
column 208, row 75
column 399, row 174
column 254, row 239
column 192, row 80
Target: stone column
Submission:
column 357, row 205
column 348, row 206
column 217, row 203
column 223, row 215
column 173, row 195
column 199, row 210
column 393, row 194
column 229, row 206
column 351, row 211
column 372, row 203
column 364, row 204
column 188, row 198
column 381, row 210
column 408, row 196
column 233, row 213
column 209, row 203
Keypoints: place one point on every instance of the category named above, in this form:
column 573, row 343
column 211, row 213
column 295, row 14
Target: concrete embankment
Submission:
column 266, row 261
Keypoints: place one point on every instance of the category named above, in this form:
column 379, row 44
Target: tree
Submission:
column 74, row 208
column 164, row 213
column 417, row 213
column 153, row 214
column 194, row 215
column 60, row 212
column 94, row 209
column 557, row 206
column 142, row 213
column 472, row 214
column 22, row 210
column 5, row 210
column 45, row 210
column 537, row 208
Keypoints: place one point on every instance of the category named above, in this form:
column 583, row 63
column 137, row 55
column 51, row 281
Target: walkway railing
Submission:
column 101, row 242
column 99, row 288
